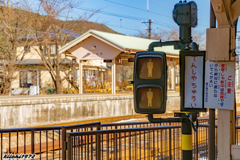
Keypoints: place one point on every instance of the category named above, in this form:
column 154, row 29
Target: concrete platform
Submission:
column 27, row 111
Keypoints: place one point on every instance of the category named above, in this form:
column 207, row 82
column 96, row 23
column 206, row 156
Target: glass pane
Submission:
column 149, row 97
column 53, row 49
column 124, row 78
column 149, row 68
column 97, row 80
column 29, row 77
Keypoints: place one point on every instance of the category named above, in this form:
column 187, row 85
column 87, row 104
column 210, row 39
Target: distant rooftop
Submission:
column 72, row 34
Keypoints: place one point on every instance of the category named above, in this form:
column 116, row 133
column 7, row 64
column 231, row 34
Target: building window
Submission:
column 52, row 49
column 171, row 79
column 28, row 78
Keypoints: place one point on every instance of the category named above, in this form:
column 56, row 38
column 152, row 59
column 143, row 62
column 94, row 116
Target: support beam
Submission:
column 227, row 7
column 80, row 77
column 220, row 13
column 235, row 9
column 114, row 76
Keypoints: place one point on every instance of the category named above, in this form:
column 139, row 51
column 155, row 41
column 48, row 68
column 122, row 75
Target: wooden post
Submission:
column 80, row 77
column 220, row 43
column 226, row 133
column 114, row 76
column 211, row 133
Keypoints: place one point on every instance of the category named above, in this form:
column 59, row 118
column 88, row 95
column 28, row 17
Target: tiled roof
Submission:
column 39, row 61
column 72, row 34
column 126, row 42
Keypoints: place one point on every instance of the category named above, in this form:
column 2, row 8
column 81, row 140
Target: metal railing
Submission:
column 46, row 142
column 51, row 142
column 161, row 142
column 130, row 143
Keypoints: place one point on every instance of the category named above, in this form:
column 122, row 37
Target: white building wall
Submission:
column 15, row 82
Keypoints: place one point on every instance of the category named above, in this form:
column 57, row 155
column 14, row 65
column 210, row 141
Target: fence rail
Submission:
column 112, row 141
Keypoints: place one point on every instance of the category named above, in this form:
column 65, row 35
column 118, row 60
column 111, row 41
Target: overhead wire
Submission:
column 148, row 10
column 108, row 13
column 94, row 11
column 24, row 29
column 104, row 13
column 173, row 7
column 123, row 16
column 114, row 14
column 138, row 8
column 121, row 27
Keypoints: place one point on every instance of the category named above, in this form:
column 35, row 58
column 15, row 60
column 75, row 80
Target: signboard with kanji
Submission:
column 219, row 85
column 193, row 81
column 192, row 65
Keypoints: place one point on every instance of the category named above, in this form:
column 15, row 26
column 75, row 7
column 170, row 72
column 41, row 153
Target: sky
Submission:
column 126, row 16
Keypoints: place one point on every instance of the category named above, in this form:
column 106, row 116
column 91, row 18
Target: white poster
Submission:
column 193, row 82
column 219, row 85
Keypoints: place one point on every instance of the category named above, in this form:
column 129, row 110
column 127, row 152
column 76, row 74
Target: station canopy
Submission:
column 94, row 45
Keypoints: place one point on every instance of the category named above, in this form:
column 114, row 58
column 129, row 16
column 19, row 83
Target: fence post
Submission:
column 32, row 141
column 170, row 143
column 69, row 147
column 63, row 143
column 98, row 143
column 197, row 144
column 115, row 144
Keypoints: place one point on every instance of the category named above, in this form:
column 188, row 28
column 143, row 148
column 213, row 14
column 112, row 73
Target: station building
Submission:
column 106, row 61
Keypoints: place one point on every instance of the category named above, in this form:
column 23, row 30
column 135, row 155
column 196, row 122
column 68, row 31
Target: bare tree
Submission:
column 56, row 34
column 162, row 34
column 173, row 34
column 11, row 23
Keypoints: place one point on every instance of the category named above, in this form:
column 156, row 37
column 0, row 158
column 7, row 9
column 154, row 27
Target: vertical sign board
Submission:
column 219, row 85
column 192, row 65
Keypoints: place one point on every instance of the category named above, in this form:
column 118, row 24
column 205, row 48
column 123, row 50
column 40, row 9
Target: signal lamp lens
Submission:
column 149, row 67
column 149, row 97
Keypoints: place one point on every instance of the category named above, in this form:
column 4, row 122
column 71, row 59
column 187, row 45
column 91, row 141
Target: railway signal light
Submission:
column 185, row 14
column 150, row 82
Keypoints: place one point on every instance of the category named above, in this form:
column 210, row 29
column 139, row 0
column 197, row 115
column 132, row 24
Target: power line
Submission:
column 77, row 19
column 121, row 16
column 138, row 8
column 104, row 13
column 114, row 14
column 165, row 25
column 121, row 27
column 162, row 3
column 173, row 7
column 145, row 10
column 45, row 14
column 110, row 13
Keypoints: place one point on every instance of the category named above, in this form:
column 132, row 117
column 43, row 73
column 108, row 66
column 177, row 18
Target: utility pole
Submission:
column 149, row 27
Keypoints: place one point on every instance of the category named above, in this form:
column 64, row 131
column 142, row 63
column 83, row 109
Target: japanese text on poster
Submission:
column 219, row 85
column 193, row 82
